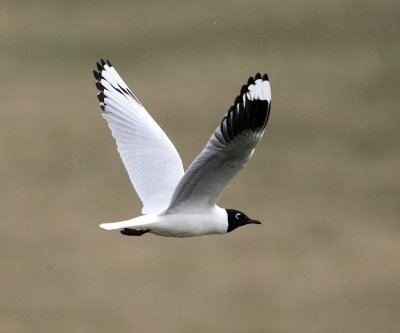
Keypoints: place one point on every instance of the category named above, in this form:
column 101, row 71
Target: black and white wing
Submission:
column 152, row 162
column 228, row 150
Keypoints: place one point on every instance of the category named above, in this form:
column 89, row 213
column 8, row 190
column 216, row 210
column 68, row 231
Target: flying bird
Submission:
column 178, row 203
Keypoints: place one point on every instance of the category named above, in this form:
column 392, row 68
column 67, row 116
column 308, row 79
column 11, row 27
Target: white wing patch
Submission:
column 151, row 160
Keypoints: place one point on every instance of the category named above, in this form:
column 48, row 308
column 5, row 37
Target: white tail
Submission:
column 116, row 225
column 138, row 222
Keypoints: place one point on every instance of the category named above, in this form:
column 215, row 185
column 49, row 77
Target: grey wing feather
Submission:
column 228, row 150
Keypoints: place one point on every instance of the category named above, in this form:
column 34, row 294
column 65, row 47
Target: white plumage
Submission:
column 176, row 203
column 139, row 139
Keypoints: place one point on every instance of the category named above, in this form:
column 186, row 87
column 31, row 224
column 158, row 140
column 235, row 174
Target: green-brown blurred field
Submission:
column 324, row 180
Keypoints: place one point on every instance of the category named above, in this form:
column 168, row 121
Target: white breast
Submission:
column 214, row 221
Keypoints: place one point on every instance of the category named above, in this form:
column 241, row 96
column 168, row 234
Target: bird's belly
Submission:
column 189, row 226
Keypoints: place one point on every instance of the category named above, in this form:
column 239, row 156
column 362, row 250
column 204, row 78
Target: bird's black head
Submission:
column 237, row 219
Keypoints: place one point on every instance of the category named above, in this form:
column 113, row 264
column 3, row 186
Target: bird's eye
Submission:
column 238, row 216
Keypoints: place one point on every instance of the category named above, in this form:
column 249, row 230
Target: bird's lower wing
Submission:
column 228, row 150
column 152, row 162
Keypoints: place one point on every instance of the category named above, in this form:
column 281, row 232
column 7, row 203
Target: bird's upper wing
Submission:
column 228, row 149
column 152, row 162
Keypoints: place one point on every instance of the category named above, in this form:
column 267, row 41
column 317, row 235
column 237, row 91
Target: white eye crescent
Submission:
column 238, row 216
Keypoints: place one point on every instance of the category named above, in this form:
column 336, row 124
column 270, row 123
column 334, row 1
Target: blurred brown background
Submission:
column 324, row 180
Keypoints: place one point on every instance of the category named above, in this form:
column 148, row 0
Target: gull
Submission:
column 178, row 203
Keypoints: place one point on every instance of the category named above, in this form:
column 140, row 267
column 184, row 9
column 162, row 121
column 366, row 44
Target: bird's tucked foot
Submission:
column 133, row 232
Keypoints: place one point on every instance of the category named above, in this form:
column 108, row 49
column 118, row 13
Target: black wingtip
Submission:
column 265, row 77
column 108, row 63
column 99, row 67
column 244, row 89
column 97, row 76
column 238, row 99
column 250, row 81
column 102, row 62
column 99, row 86
column 100, row 96
column 258, row 76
